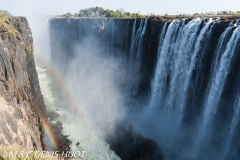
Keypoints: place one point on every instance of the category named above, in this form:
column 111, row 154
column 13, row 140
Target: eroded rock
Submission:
column 21, row 101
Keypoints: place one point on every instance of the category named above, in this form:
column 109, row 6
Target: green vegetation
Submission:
column 98, row 12
column 222, row 14
column 6, row 26
column 218, row 13
column 29, row 48
column 67, row 14
column 4, row 12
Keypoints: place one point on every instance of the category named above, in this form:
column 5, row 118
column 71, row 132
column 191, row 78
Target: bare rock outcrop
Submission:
column 21, row 101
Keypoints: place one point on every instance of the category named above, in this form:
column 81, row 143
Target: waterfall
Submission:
column 161, row 72
column 219, row 76
column 221, row 46
column 173, row 61
column 235, row 118
column 161, row 38
column 182, row 51
column 136, row 55
column 112, row 37
column 234, row 122
column 183, row 73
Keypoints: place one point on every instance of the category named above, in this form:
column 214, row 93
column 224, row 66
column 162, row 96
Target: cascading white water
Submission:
column 95, row 147
column 181, row 54
column 188, row 56
column 221, row 47
column 182, row 63
column 112, row 37
column 234, row 122
column 219, row 77
column 236, row 117
column 163, row 64
column 161, row 38
column 136, row 55
column 183, row 114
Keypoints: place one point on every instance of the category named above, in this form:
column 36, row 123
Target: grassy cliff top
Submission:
column 162, row 18
column 6, row 26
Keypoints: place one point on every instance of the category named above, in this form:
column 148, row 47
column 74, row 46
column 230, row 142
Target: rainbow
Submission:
column 50, row 136
column 74, row 103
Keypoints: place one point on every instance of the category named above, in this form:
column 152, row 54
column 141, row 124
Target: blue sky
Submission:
column 23, row 7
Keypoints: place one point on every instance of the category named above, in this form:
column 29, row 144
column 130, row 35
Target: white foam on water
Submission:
column 96, row 148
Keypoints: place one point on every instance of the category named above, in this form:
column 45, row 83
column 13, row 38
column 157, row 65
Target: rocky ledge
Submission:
column 21, row 102
column 21, row 99
column 129, row 145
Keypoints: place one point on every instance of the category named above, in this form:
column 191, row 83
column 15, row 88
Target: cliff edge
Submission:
column 21, row 101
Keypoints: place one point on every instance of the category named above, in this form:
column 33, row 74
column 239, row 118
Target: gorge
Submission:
column 171, row 83
column 124, row 88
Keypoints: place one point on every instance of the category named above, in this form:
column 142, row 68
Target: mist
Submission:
column 38, row 13
column 96, row 78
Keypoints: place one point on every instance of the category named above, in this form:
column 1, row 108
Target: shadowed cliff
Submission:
column 182, row 81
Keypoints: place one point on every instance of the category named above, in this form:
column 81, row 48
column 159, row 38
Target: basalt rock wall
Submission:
column 186, row 67
column 116, row 37
column 22, row 104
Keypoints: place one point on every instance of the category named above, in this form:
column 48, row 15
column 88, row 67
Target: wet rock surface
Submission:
column 131, row 146
column 63, row 141
column 65, row 34
column 52, row 115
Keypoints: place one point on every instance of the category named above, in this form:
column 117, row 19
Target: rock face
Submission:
column 113, row 36
column 127, row 38
column 21, row 101
column 110, row 35
column 130, row 146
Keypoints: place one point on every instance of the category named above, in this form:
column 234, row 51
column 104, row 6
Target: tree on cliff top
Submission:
column 67, row 15
column 4, row 12
column 101, row 12
column 92, row 12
